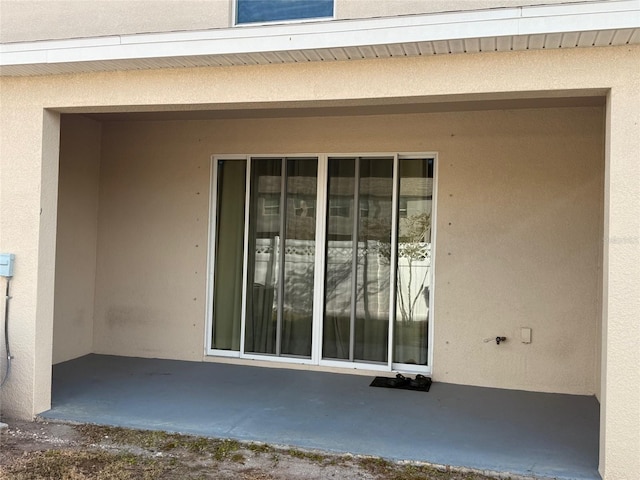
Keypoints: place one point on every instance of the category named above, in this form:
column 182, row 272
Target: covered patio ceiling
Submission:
column 489, row 430
column 396, row 106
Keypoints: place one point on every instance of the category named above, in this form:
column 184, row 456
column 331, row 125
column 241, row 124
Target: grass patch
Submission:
column 81, row 465
column 238, row 458
column 415, row 472
column 159, row 441
column 311, row 456
column 375, row 465
column 195, row 444
column 392, row 471
column 224, row 448
column 149, row 439
column 183, row 449
column 339, row 460
column 259, row 448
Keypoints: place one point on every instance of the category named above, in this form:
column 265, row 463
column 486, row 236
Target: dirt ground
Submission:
column 59, row 451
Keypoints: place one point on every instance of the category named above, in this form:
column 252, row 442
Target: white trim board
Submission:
column 598, row 23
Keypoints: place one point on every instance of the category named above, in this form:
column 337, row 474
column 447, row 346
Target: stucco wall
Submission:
column 76, row 238
column 29, row 20
column 518, row 233
column 153, row 224
column 518, row 245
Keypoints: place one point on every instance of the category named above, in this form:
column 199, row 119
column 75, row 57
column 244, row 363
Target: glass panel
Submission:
column 251, row 11
column 373, row 267
column 339, row 259
column 229, row 252
column 414, row 262
column 263, row 256
column 299, row 257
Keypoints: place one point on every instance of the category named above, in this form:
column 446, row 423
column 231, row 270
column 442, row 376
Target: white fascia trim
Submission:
column 500, row 22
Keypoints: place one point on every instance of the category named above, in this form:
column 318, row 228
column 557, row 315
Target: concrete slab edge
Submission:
column 503, row 475
column 478, row 471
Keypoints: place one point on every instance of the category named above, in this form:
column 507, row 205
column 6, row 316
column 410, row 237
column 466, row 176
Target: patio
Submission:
column 522, row 433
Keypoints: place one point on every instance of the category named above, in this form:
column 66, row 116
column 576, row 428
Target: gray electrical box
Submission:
column 6, row 264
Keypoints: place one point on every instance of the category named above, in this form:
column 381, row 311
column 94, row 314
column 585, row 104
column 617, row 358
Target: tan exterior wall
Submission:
column 77, row 237
column 29, row 159
column 26, row 20
column 518, row 233
column 29, row 20
column 152, row 256
column 376, row 8
column 25, row 207
column 620, row 400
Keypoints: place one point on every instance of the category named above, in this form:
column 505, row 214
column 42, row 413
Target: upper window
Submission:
column 261, row 11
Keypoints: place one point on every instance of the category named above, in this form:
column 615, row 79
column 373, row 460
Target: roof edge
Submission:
column 597, row 16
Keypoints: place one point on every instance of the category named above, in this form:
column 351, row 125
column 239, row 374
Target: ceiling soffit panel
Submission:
column 572, row 25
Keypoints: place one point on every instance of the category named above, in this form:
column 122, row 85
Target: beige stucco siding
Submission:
column 76, row 238
column 348, row 9
column 620, row 400
column 517, row 243
column 30, row 20
column 22, row 210
column 26, row 20
column 152, row 255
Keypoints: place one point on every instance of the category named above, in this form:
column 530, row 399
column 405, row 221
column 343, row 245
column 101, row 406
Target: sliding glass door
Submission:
column 228, row 203
column 323, row 259
column 358, row 278
column 413, row 260
column 281, row 239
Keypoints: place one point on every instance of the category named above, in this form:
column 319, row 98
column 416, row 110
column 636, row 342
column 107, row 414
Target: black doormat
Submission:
column 420, row 384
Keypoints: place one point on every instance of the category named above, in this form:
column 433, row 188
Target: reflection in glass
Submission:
column 336, row 338
column 252, row 11
column 357, row 281
column 299, row 257
column 282, row 230
column 374, row 248
column 263, row 249
column 413, row 278
column 229, row 251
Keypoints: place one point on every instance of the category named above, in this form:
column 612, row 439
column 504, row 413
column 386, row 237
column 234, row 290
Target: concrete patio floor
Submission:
column 522, row 433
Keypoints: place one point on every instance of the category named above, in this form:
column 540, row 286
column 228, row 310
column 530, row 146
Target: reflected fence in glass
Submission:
column 279, row 310
column 413, row 278
column 357, row 274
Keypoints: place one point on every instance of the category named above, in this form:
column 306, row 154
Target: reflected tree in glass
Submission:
column 299, row 257
column 414, row 261
column 263, row 256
